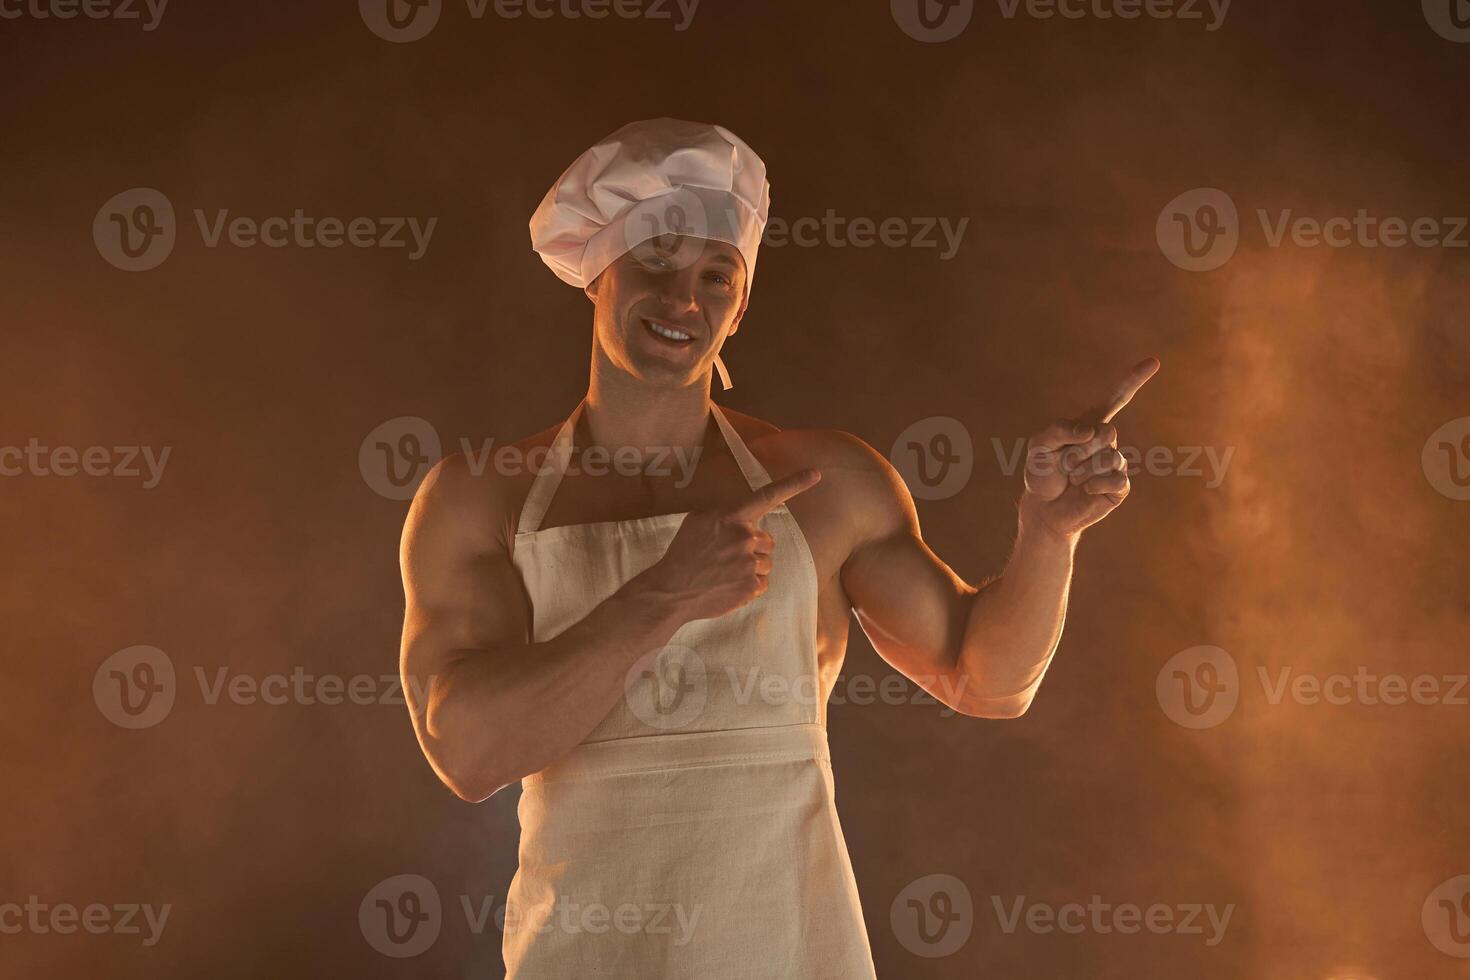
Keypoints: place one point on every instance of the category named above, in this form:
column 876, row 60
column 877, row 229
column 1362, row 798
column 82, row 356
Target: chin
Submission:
column 666, row 376
column 661, row 374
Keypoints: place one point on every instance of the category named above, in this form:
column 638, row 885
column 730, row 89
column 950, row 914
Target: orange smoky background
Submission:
column 1327, row 538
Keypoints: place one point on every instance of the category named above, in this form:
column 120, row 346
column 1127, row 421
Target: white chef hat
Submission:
column 653, row 178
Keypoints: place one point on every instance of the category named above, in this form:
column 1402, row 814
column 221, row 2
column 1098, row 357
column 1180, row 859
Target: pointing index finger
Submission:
column 773, row 495
column 1125, row 391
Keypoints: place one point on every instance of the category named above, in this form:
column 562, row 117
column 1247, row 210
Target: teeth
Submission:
column 668, row 332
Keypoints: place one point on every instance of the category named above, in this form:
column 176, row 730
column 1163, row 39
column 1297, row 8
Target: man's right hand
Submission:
column 720, row 559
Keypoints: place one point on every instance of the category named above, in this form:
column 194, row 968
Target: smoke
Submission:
column 1333, row 549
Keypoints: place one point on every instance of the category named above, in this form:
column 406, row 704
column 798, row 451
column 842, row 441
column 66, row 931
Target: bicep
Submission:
column 912, row 606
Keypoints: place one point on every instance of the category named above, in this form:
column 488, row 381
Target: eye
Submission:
column 652, row 260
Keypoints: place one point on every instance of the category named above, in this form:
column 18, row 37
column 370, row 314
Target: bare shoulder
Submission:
column 857, row 480
column 472, row 500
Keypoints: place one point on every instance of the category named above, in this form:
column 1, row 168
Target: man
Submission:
column 632, row 643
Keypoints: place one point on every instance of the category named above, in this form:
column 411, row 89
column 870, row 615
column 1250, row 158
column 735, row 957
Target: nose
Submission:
column 677, row 290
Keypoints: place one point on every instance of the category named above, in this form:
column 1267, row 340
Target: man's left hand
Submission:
column 1075, row 475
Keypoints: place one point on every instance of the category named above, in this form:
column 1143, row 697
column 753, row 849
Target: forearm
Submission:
column 494, row 716
column 1015, row 622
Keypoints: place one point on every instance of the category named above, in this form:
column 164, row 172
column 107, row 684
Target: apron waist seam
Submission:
column 734, row 760
column 694, row 750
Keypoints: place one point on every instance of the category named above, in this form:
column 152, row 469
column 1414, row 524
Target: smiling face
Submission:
column 664, row 308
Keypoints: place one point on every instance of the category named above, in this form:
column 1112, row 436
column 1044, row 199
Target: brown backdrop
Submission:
column 263, row 549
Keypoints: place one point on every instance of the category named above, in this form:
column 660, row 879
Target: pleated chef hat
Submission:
column 652, row 178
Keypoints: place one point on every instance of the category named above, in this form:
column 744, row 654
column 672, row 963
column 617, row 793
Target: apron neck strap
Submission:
column 549, row 474
column 755, row 474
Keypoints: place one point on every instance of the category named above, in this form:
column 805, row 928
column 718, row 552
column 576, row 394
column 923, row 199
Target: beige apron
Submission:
column 693, row 833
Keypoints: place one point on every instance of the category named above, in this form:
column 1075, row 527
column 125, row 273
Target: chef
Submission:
column 650, row 657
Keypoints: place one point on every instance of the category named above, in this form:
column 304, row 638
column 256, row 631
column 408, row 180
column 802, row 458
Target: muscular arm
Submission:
column 980, row 649
column 489, row 706
column 984, row 650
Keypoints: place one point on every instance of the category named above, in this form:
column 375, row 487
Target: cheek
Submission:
column 612, row 317
column 722, row 306
column 618, row 301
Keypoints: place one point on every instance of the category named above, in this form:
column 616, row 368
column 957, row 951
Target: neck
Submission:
column 623, row 411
